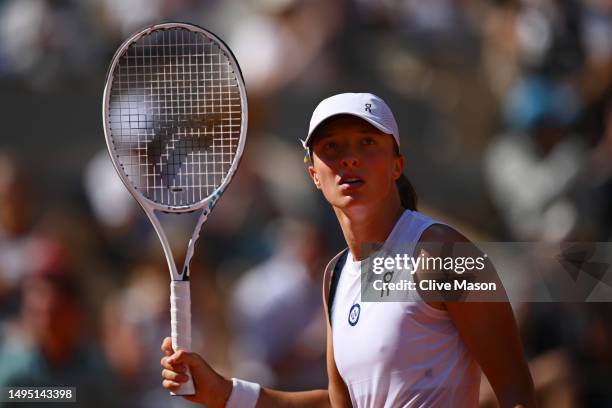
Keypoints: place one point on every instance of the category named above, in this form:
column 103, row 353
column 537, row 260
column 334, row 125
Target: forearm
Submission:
column 280, row 399
column 517, row 395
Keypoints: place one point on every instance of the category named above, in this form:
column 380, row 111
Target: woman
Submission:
column 380, row 354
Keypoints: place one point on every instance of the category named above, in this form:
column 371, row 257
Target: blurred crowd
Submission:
column 505, row 111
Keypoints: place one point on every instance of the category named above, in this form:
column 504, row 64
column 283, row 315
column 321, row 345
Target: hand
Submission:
column 211, row 388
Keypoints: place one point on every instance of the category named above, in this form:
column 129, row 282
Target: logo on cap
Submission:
column 368, row 107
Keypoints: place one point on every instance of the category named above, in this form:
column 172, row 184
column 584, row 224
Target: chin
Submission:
column 352, row 203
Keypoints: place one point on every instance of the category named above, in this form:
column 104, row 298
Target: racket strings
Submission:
column 175, row 116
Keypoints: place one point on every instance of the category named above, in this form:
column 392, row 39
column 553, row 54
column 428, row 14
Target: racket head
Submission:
column 175, row 116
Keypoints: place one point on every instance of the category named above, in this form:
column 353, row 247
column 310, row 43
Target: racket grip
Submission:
column 180, row 322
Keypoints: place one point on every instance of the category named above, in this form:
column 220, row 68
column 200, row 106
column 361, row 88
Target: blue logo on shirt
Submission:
column 353, row 316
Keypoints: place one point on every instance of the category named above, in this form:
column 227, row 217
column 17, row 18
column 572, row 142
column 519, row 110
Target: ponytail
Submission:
column 407, row 193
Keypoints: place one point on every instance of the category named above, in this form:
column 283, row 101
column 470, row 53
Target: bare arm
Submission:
column 272, row 398
column 490, row 333
column 213, row 390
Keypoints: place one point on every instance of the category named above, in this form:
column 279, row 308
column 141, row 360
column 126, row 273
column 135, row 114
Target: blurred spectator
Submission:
column 135, row 318
column 125, row 17
column 596, row 126
column 44, row 40
column 20, row 250
column 531, row 168
column 275, row 41
column 15, row 204
column 596, row 27
column 593, row 355
column 506, row 111
column 123, row 228
column 277, row 316
column 49, row 347
column 112, row 204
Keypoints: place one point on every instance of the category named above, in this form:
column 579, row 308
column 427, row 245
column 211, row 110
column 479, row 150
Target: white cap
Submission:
column 366, row 106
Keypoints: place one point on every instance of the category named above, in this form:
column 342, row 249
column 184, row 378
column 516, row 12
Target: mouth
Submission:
column 351, row 182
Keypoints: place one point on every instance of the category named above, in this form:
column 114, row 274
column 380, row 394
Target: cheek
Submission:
column 324, row 172
column 327, row 182
column 326, row 177
column 382, row 167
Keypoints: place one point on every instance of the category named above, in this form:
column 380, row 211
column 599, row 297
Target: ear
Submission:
column 312, row 172
column 398, row 167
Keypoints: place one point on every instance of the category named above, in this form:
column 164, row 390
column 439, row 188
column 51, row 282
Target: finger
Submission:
column 170, row 385
column 166, row 346
column 196, row 364
column 176, row 367
column 184, row 357
column 174, row 376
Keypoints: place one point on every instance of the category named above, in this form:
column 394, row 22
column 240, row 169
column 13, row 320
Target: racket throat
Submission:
column 184, row 276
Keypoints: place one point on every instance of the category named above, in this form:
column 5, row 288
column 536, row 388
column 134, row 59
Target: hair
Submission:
column 407, row 193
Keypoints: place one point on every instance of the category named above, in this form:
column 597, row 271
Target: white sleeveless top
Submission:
column 400, row 354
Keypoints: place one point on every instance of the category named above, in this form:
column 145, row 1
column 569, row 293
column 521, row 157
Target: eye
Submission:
column 330, row 145
column 368, row 141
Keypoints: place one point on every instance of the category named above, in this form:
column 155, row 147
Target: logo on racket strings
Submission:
column 353, row 316
column 196, row 129
column 175, row 136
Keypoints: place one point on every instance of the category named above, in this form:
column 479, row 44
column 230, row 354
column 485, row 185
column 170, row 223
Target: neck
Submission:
column 368, row 226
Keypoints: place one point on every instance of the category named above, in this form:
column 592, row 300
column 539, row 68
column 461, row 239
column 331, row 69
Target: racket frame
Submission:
column 244, row 117
column 180, row 280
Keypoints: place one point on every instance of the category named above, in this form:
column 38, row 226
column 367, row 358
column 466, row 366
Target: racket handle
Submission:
column 180, row 321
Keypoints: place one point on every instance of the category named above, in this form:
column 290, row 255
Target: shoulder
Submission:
column 440, row 240
column 442, row 233
column 419, row 227
column 451, row 257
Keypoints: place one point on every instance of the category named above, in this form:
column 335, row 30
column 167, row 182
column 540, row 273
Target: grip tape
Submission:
column 180, row 322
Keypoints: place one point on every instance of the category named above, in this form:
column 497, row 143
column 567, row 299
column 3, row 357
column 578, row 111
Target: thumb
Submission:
column 166, row 346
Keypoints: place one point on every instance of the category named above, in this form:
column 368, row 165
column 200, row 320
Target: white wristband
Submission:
column 244, row 394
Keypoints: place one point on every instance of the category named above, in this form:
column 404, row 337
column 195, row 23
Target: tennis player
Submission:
column 421, row 353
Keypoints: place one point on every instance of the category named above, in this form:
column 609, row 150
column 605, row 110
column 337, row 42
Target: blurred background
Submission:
column 505, row 112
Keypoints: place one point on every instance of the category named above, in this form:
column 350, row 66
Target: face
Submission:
column 354, row 164
column 52, row 318
column 14, row 200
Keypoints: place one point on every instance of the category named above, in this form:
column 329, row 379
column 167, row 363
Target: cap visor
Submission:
column 370, row 121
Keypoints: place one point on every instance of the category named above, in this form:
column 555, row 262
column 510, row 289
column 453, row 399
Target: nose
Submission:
column 349, row 158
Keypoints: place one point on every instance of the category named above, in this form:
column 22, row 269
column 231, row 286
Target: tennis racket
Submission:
column 175, row 121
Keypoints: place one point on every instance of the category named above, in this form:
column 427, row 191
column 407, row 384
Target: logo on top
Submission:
column 354, row 313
